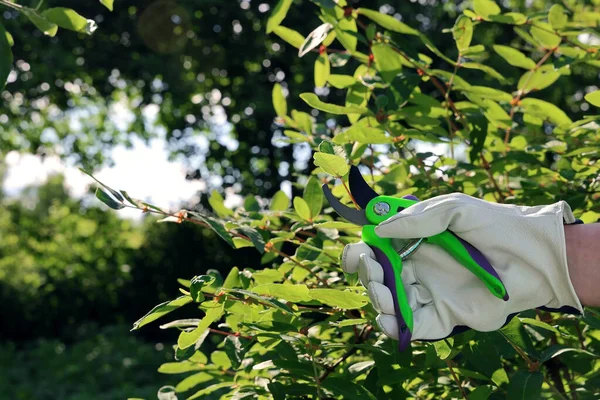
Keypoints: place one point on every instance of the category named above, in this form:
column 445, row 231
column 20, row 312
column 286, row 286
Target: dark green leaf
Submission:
column 6, row 57
column 347, row 389
column 196, row 285
column 215, row 225
column 236, row 348
column 516, row 334
column 525, row 385
column 109, row 201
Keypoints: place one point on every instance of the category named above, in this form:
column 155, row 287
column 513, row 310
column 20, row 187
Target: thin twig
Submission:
column 361, row 339
column 458, row 382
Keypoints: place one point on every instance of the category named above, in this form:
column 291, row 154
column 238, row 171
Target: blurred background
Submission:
column 168, row 100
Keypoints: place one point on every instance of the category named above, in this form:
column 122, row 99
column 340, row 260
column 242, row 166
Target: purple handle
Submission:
column 389, row 280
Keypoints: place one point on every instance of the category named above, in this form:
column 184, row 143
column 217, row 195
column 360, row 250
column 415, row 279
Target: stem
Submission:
column 458, row 382
column 229, row 333
column 361, row 339
column 554, row 389
column 10, row 4
column 488, row 169
column 350, row 194
column 447, row 98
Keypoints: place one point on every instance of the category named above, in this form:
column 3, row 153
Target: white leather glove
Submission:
column 526, row 246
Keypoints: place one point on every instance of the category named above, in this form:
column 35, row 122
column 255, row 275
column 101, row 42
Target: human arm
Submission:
column 583, row 258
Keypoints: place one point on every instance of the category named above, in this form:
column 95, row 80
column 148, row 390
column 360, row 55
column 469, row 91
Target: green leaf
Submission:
column 264, row 300
column 515, row 333
column 210, row 389
column 236, row 348
column 362, row 134
column 557, row 17
column 6, row 57
column 278, row 14
column 113, row 192
column 339, row 298
column 387, row 21
column 187, row 339
column 332, row 164
column 67, row 18
column 346, row 33
column 289, row 35
column 348, row 389
column 161, row 310
column 514, row 57
column 322, row 70
column 557, row 349
column 280, row 201
column 593, row 98
column 302, row 208
column 443, row 348
column 537, row 80
column 387, row 61
column 341, row 81
column 312, row 100
column 546, row 111
column 47, row 27
column 293, row 293
column 313, row 195
column 279, row 102
column 480, row 393
column 193, row 381
column 542, row 33
column 489, row 93
column 216, row 201
column 525, row 385
column 485, row 68
column 196, row 285
column 463, row 32
column 215, row 225
column 108, row 4
column 486, row 8
column 232, row 279
column 109, row 201
column 255, row 237
column 179, row 367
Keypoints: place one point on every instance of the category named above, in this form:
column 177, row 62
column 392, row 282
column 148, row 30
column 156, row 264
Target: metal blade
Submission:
column 361, row 191
column 357, row 217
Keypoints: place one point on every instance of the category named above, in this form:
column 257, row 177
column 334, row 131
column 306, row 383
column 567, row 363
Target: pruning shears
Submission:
column 374, row 210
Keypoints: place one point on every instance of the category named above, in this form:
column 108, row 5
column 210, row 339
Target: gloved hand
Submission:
column 526, row 246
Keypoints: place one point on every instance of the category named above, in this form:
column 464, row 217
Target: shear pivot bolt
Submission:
column 381, row 208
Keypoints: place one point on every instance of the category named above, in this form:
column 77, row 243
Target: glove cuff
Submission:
column 565, row 295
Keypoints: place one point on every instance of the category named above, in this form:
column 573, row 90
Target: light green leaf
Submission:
column 546, row 111
column 463, row 32
column 304, row 121
column 485, row 68
column 387, row 21
column 332, row 164
column 179, row 367
column 341, row 81
column 362, row 134
column 193, row 381
column 280, row 201
column 302, row 209
column 313, row 195
column 346, row 33
column 539, row 324
column 593, row 98
column 278, row 14
column 216, row 201
column 47, row 27
column 289, row 35
column 542, row 33
column 557, row 17
column 322, row 70
column 486, row 8
column 232, row 279
column 514, row 57
column 161, row 310
column 525, row 385
column 515, row 333
column 293, row 293
column 339, row 298
column 67, row 18
column 387, row 61
column 537, row 80
column 6, row 57
column 279, row 102
column 108, row 4
column 489, row 93
column 443, row 348
column 312, row 100
column 187, row 339
column 210, row 389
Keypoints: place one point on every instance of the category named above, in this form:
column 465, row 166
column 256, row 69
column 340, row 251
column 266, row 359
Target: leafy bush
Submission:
column 298, row 327
column 106, row 364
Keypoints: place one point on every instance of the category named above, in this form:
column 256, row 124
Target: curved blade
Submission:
column 361, row 191
column 357, row 217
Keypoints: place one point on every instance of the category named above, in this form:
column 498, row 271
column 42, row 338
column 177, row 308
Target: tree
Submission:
column 299, row 328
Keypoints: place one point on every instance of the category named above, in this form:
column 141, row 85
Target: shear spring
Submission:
column 410, row 248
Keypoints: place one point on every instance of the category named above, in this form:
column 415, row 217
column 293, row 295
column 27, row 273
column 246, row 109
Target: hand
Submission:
column 526, row 246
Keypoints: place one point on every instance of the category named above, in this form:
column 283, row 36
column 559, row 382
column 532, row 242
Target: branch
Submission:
column 458, row 382
column 361, row 339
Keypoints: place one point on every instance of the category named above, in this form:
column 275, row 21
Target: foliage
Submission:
column 298, row 327
column 101, row 364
